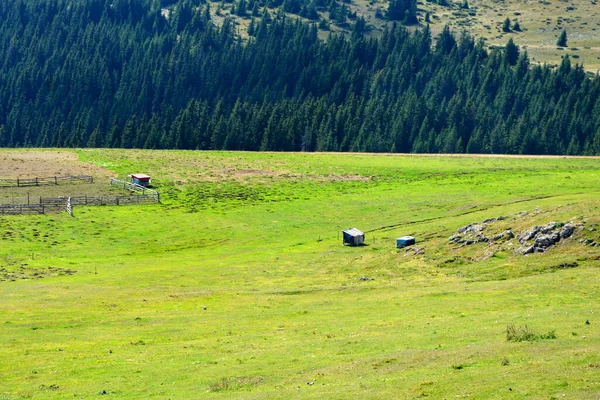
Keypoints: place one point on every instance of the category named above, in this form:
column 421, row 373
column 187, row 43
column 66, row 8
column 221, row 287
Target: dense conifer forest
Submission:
column 119, row 73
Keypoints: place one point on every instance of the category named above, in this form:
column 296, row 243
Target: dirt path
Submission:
column 31, row 164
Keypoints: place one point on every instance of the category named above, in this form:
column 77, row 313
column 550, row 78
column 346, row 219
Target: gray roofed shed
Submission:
column 353, row 237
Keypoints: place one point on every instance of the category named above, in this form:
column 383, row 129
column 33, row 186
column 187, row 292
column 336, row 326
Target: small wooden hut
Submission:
column 140, row 179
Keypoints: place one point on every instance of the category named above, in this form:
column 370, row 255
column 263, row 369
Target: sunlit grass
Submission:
column 237, row 286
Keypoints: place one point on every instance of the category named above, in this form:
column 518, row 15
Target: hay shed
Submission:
column 353, row 237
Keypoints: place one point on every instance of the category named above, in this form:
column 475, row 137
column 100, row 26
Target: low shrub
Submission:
column 524, row 334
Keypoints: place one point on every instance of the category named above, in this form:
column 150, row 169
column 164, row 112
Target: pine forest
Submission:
column 125, row 74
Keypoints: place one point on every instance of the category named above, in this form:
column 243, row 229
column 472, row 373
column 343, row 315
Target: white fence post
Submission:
column 69, row 207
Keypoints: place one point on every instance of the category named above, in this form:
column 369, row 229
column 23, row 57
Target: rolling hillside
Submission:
column 539, row 24
column 238, row 286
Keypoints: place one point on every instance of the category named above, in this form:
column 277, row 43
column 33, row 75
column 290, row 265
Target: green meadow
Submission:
column 237, row 284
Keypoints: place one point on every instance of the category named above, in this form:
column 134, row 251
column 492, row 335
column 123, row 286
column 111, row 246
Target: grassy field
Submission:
column 237, row 285
column 541, row 22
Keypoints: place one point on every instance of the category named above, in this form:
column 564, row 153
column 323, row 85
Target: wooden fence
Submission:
column 13, row 209
column 52, row 180
column 136, row 188
column 27, row 205
column 60, row 204
column 98, row 200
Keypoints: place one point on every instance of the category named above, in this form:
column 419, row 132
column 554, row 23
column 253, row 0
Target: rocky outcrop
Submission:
column 545, row 236
column 536, row 239
column 473, row 233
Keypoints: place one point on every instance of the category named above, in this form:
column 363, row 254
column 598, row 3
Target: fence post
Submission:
column 69, row 207
column 117, row 200
column 18, row 183
column 36, row 182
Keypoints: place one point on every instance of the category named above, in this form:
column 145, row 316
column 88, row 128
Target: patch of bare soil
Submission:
column 242, row 174
column 32, row 164
column 24, row 273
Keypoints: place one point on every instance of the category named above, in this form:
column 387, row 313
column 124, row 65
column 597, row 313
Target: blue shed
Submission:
column 405, row 241
column 353, row 237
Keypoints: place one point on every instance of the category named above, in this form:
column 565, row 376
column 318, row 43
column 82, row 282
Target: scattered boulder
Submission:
column 529, row 250
column 567, row 231
column 415, row 250
column 492, row 220
column 545, row 241
column 455, row 238
column 589, row 242
column 508, row 234
column 473, row 228
column 529, row 234
column 549, row 227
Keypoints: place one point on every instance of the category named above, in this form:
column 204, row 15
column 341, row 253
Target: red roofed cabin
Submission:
column 140, row 179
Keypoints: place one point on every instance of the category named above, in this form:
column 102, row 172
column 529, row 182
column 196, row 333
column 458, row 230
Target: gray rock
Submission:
column 465, row 228
column 530, row 234
column 504, row 235
column 474, row 228
column 545, row 241
column 567, row 231
column 549, row 227
column 497, row 237
column 528, row 250
column 481, row 238
column 455, row 239
column 490, row 220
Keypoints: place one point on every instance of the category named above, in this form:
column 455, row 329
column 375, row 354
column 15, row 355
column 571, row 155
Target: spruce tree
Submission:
column 506, row 25
column 562, row 39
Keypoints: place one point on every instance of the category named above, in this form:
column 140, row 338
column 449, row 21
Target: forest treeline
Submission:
column 118, row 73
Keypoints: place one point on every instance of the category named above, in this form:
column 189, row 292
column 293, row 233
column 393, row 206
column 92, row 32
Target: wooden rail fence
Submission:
column 14, row 209
column 60, row 204
column 97, row 200
column 46, row 181
column 136, row 188
column 45, row 205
